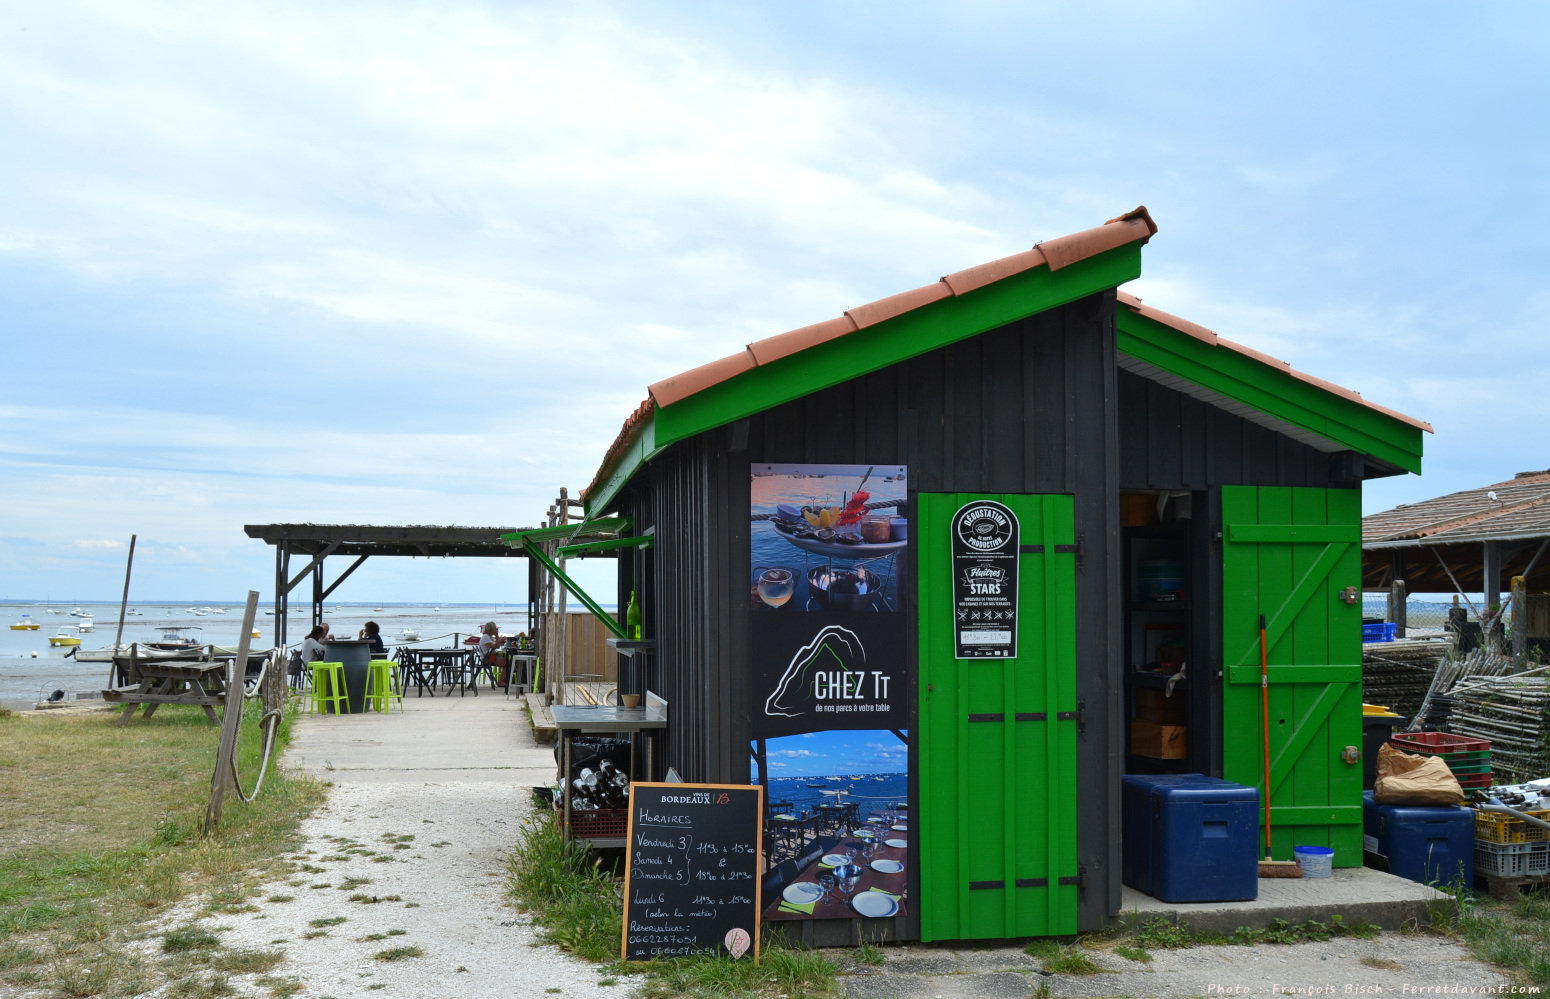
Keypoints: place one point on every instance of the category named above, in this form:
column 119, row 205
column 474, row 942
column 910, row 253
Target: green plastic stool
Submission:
column 382, row 685
column 333, row 673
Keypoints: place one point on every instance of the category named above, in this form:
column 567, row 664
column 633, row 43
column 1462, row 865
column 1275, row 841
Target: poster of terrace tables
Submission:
column 830, row 705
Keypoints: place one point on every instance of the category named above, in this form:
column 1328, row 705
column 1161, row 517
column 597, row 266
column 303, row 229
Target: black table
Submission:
column 354, row 653
column 431, row 667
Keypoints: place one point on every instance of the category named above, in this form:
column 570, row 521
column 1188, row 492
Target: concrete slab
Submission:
column 1353, row 893
column 485, row 738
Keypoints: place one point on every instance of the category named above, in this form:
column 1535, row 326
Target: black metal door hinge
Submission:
column 1078, row 549
column 1079, row 716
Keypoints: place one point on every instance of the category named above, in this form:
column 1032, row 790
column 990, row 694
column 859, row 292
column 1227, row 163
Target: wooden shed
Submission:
column 942, row 569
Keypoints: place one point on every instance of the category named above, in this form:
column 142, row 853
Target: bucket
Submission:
column 1315, row 861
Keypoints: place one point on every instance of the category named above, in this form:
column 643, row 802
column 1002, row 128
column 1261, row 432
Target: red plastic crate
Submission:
column 1473, row 780
column 1437, row 742
column 597, row 823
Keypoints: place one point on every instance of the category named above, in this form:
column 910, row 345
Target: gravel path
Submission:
column 410, row 853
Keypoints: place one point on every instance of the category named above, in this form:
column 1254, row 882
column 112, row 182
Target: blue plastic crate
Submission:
column 1383, row 631
column 1431, row 844
column 1190, row 838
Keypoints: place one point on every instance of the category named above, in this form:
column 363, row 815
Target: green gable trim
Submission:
column 1271, row 391
column 916, row 332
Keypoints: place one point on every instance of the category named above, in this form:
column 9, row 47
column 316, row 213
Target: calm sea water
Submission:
column 868, row 790
column 22, row 676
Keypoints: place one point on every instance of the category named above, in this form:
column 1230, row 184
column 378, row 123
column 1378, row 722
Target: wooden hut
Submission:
column 951, row 563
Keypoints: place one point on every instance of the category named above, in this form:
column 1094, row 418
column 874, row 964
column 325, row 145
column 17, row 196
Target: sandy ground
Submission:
column 452, row 773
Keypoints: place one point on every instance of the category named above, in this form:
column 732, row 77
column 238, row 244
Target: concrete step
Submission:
column 543, row 719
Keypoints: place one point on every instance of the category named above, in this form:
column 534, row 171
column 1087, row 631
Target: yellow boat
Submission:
column 25, row 624
column 64, row 639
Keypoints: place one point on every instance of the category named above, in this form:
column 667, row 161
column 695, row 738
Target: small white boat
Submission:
column 376, row 610
column 85, row 624
column 408, row 635
column 80, row 613
column 102, row 655
column 256, row 634
column 216, row 610
column 25, row 624
column 64, row 638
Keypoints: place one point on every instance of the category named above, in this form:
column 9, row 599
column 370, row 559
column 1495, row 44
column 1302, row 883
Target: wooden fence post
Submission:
column 231, row 722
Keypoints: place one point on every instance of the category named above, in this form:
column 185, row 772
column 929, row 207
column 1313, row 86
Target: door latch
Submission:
column 1350, row 755
column 1351, row 595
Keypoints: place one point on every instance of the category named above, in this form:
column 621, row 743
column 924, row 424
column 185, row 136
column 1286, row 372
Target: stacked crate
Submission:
column 1469, row 759
column 1508, row 847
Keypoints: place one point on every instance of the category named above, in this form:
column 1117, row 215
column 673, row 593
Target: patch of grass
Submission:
column 316, row 887
column 246, row 962
column 1374, row 961
column 371, row 938
column 279, row 988
column 1132, row 953
column 441, row 844
column 328, row 921
column 314, row 934
column 397, row 933
column 608, row 981
column 1159, row 934
column 575, row 902
column 398, row 953
column 1059, row 960
column 1514, row 935
column 381, row 858
column 186, row 938
column 796, row 974
column 870, row 954
column 281, row 898
column 350, row 884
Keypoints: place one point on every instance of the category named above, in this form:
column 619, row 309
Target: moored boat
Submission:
column 25, row 624
column 64, row 638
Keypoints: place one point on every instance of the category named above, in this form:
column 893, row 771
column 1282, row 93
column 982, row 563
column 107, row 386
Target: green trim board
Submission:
column 1270, row 390
column 587, row 547
column 997, row 747
column 564, row 532
column 908, row 335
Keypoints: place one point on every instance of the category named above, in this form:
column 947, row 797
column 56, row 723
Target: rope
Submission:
column 270, row 722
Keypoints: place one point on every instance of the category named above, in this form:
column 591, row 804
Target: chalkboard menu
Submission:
column 692, row 863
column 985, row 549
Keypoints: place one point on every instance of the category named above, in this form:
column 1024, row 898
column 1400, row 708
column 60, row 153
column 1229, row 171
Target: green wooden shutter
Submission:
column 997, row 761
column 1289, row 554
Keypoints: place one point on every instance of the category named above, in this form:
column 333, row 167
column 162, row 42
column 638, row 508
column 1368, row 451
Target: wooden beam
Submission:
column 316, row 560
column 345, row 575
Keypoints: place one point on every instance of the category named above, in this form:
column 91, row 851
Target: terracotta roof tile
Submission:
column 1067, row 250
column 627, row 434
column 897, row 305
column 775, row 347
column 687, row 383
column 964, row 281
column 1207, row 336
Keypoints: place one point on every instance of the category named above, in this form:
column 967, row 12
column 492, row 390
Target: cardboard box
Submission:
column 1162, row 742
column 1137, row 510
column 1153, row 706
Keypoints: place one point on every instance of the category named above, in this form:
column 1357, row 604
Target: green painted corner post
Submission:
column 997, row 823
column 1294, row 555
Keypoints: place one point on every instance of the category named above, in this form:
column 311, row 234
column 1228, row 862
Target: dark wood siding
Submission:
column 1168, row 440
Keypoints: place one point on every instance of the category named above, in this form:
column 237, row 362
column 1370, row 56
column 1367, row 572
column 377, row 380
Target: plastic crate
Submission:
column 1381, row 632
column 1471, row 781
column 597, row 823
column 1496, row 827
column 1512, row 860
column 1472, row 767
column 1433, row 743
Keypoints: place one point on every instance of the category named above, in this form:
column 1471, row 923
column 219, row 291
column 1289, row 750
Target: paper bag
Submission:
column 1408, row 779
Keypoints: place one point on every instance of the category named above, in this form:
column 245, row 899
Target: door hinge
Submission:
column 1077, row 549
column 1079, row 716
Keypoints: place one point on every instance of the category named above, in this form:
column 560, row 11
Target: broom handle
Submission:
column 1264, row 709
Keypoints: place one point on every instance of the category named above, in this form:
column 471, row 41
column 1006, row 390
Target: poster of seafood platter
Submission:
column 828, row 537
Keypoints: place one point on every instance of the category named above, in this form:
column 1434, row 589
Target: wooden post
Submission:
column 1397, row 611
column 1491, row 605
column 123, row 605
column 1520, row 619
column 231, row 722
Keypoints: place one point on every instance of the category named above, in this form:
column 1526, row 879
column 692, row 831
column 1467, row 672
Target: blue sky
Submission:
column 377, row 263
column 837, row 752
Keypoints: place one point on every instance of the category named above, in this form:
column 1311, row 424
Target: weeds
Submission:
column 1058, row 960
column 188, row 938
column 870, row 954
column 246, row 962
column 796, row 974
column 576, row 904
column 327, row 921
column 1159, row 934
column 398, row 953
column 1133, row 953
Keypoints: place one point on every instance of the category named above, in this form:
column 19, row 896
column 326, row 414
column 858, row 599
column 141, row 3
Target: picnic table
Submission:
column 837, row 904
column 163, row 681
column 428, row 668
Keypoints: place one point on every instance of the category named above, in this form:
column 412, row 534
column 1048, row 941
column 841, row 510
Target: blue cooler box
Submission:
column 1190, row 838
column 1432, row 844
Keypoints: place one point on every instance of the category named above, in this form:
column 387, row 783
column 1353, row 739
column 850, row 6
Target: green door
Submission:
column 997, row 758
column 1294, row 555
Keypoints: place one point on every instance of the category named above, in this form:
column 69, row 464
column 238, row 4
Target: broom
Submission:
column 1269, row 868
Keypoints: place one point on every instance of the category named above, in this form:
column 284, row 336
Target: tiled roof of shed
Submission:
column 1208, row 336
column 1520, row 509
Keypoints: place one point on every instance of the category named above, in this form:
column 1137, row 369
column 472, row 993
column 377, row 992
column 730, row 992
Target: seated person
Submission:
column 372, row 632
column 312, row 645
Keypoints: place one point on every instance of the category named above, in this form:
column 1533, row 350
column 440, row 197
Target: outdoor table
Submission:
column 836, row 905
column 354, row 654
column 571, row 720
column 449, row 663
column 417, row 671
column 172, row 682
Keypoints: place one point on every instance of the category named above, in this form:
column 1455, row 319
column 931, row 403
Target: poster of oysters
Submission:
column 828, row 537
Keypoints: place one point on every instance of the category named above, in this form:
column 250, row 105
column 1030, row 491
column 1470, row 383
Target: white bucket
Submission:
column 1315, row 861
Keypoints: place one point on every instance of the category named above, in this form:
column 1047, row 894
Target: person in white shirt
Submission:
column 312, row 645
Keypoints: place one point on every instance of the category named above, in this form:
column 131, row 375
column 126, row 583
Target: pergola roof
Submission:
column 1451, row 529
column 368, row 539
